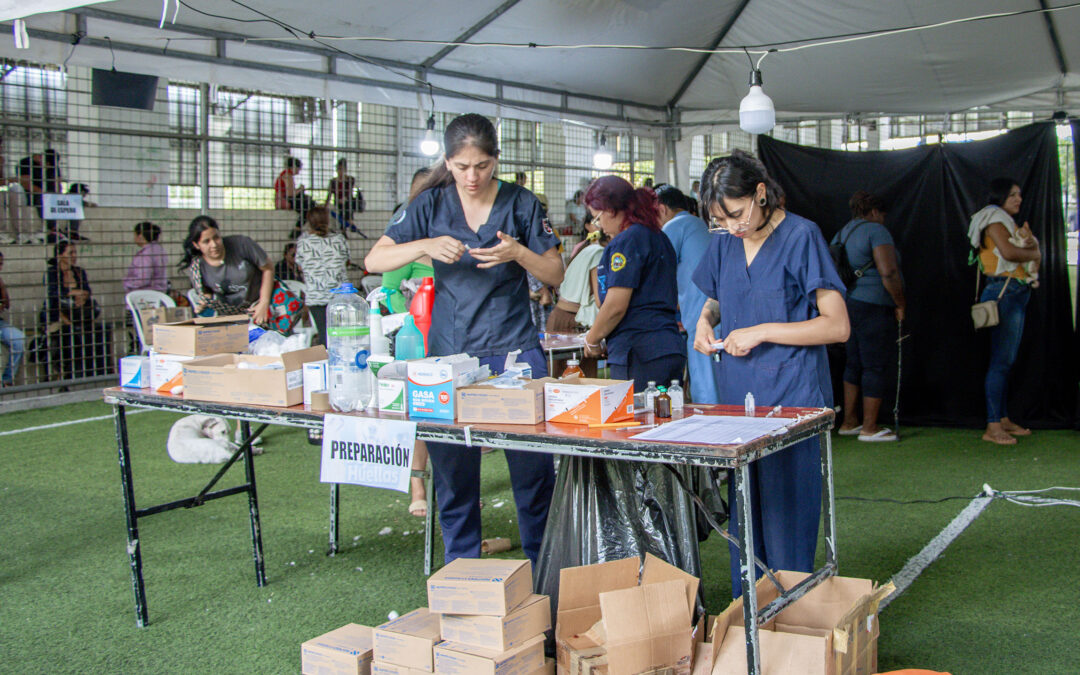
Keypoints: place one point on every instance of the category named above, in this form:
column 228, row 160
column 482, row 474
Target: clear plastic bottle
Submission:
column 573, row 367
column 662, row 403
column 650, row 393
column 348, row 338
column 676, row 394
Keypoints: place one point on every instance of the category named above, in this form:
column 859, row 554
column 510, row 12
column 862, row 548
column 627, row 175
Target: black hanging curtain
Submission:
column 1076, row 174
column 931, row 193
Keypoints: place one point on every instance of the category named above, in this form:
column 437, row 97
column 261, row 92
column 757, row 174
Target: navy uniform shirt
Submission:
column 482, row 312
column 643, row 260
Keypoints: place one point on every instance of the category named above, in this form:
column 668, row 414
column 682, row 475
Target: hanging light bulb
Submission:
column 603, row 159
column 756, row 112
column 430, row 145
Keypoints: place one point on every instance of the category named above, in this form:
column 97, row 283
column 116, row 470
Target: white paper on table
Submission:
column 715, row 429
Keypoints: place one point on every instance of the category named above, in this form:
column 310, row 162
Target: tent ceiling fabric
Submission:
column 1003, row 62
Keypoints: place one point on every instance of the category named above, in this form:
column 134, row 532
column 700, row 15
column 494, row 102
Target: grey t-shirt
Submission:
column 237, row 281
column 860, row 239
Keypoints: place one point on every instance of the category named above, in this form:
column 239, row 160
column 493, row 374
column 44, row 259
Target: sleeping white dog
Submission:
column 201, row 439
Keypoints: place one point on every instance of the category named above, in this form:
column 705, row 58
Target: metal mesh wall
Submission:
column 203, row 145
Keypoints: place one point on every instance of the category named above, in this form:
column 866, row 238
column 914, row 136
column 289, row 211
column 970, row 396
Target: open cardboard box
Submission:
column 151, row 316
column 203, row 336
column 219, row 378
column 832, row 630
column 646, row 621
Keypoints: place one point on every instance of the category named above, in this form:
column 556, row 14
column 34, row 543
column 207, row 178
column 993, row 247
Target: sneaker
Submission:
column 37, row 238
column 6, row 240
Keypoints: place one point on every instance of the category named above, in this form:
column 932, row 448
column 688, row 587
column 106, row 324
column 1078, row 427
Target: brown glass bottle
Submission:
column 662, row 403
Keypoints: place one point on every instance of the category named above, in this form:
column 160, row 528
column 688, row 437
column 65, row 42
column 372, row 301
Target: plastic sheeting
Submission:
column 605, row 510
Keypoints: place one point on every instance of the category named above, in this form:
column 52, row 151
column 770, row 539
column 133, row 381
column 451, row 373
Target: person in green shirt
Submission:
column 393, row 279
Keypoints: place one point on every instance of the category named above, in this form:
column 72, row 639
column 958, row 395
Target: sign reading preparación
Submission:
column 61, row 207
column 372, row 452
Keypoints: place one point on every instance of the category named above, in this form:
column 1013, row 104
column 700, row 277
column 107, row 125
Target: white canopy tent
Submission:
column 528, row 59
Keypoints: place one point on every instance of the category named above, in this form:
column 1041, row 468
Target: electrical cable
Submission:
column 1018, row 497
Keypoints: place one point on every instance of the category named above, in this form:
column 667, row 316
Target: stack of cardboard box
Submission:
column 178, row 342
column 490, row 620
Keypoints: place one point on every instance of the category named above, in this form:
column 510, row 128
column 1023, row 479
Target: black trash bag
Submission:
column 603, row 510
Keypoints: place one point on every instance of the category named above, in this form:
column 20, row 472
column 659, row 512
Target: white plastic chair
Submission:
column 138, row 300
column 370, row 283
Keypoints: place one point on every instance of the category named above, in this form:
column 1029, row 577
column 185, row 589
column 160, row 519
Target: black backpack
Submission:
column 838, row 251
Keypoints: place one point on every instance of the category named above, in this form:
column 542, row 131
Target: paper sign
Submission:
column 372, row 452
column 61, row 207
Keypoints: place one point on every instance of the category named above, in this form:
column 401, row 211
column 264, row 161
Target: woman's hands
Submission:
column 593, row 349
column 740, row 341
column 704, row 337
column 79, row 296
column 507, row 250
column 445, row 249
column 260, row 312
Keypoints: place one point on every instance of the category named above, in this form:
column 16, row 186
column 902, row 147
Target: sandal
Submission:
column 853, row 431
column 882, row 435
column 418, row 508
column 1005, row 439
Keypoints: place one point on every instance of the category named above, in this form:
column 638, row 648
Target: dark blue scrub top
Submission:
column 643, row 260
column 779, row 286
column 482, row 312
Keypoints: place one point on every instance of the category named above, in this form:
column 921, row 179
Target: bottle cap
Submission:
column 572, row 362
column 345, row 288
column 652, row 383
column 674, row 382
column 663, row 390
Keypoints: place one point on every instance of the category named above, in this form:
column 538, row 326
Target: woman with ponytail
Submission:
column 777, row 300
column 230, row 275
column 605, row 510
column 482, row 236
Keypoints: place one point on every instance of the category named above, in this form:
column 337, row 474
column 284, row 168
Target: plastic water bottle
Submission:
column 348, row 346
column 650, row 394
column 409, row 343
column 421, row 306
column 676, row 394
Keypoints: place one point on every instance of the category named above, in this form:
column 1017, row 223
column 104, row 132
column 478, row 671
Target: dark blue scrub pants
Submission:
column 457, row 484
column 643, row 369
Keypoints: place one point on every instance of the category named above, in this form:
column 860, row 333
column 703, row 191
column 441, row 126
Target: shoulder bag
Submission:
column 985, row 314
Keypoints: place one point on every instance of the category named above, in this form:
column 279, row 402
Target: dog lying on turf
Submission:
column 201, row 439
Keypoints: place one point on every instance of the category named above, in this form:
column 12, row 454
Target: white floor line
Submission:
column 923, row 559
column 64, row 424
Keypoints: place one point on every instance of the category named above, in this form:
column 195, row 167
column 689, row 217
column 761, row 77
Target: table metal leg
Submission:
column 253, row 507
column 828, row 498
column 429, row 524
column 334, row 496
column 744, row 508
column 134, row 552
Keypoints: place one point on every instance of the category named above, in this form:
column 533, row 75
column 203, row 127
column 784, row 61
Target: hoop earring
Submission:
column 762, row 201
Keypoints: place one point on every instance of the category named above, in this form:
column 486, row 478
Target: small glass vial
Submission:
column 650, row 394
column 676, row 394
column 573, row 367
column 748, row 405
column 662, row 403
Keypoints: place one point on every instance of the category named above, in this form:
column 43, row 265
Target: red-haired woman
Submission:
column 638, row 290
column 604, row 510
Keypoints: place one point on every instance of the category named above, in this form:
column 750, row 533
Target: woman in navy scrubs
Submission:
column 637, row 283
column 776, row 296
column 482, row 235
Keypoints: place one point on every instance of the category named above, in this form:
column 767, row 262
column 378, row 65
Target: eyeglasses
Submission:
column 718, row 226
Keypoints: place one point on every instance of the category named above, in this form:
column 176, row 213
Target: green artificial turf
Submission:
column 1004, row 597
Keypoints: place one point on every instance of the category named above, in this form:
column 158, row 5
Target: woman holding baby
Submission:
column 1009, row 257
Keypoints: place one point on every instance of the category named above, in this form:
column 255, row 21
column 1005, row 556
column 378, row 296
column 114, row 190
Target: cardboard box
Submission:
column 582, row 400
column 648, row 627
column 151, row 316
column 344, row 651
column 472, row 586
column 408, row 640
column 547, row 669
column 579, row 648
column 702, row 659
column 221, row 378
column 431, row 384
column 832, row 630
column 454, row 658
column 385, row 668
column 478, row 403
column 167, row 371
column 203, row 336
column 499, row 633
column 315, row 378
column 135, row 372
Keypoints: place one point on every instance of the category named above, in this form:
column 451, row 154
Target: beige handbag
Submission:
column 985, row 314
